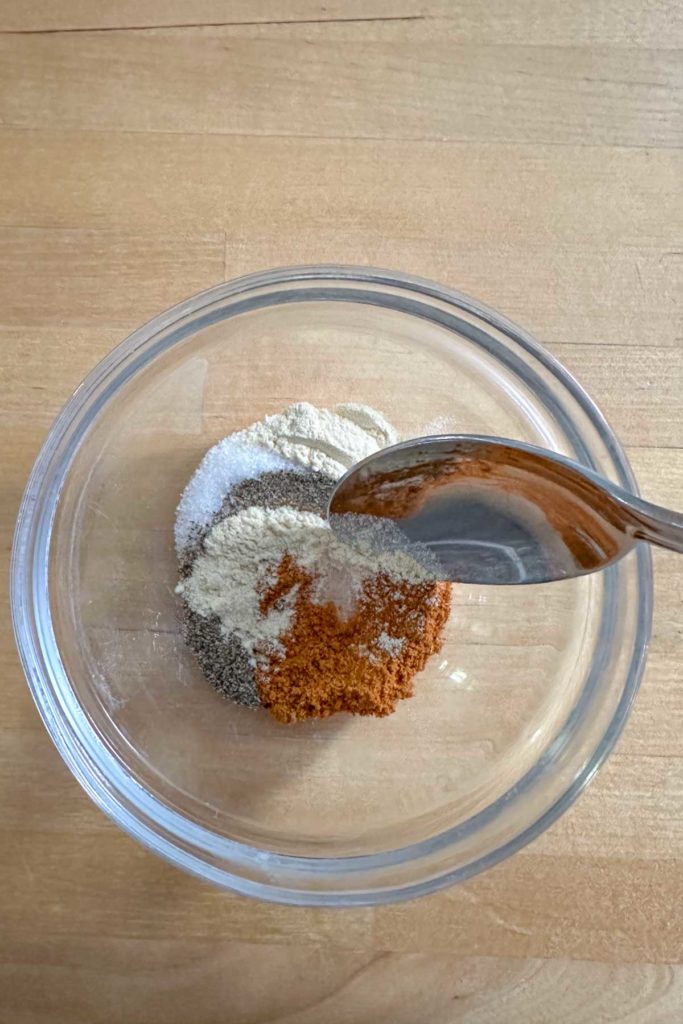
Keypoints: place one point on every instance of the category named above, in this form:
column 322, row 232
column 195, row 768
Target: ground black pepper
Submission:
column 223, row 660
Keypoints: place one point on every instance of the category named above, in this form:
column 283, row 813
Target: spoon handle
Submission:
column 653, row 523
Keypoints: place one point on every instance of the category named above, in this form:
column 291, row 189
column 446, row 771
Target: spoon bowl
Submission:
column 497, row 511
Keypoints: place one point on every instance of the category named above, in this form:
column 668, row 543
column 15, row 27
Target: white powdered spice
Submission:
column 372, row 421
column 327, row 440
column 393, row 645
column 241, row 557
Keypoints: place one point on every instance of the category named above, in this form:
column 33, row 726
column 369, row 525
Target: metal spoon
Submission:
column 499, row 511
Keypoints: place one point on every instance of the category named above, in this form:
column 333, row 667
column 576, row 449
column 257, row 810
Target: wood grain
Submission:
column 629, row 23
column 290, row 80
column 95, row 179
column 526, row 153
column 601, row 263
column 324, row 985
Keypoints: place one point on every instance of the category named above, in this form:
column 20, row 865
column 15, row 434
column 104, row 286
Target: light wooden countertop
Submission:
column 526, row 153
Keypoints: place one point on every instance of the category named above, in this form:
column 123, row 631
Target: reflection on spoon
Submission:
column 498, row 511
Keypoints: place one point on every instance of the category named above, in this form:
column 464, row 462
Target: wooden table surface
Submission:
column 525, row 152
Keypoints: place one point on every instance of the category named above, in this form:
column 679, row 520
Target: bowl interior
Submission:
column 514, row 662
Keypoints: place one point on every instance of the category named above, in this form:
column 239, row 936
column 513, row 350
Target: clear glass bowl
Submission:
column 507, row 724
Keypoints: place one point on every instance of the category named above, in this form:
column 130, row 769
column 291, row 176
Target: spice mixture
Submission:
column 280, row 611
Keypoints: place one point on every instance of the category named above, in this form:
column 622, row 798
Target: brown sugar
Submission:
column 363, row 664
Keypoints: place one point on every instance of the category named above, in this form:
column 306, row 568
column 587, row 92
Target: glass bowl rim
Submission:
column 119, row 796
